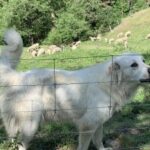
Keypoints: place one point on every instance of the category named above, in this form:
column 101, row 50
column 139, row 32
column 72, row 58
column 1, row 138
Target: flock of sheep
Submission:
column 121, row 39
column 36, row 50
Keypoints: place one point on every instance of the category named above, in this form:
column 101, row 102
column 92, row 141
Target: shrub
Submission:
column 33, row 19
column 68, row 28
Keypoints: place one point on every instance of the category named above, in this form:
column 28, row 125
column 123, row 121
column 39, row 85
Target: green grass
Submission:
column 134, row 118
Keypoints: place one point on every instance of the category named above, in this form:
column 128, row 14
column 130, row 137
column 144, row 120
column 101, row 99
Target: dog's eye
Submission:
column 134, row 64
column 143, row 61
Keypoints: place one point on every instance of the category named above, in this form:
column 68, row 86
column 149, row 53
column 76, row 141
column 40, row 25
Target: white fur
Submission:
column 9, row 57
column 86, row 97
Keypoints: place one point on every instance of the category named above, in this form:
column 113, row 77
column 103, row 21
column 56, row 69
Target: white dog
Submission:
column 87, row 97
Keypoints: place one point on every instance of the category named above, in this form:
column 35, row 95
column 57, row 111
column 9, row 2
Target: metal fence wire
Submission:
column 128, row 129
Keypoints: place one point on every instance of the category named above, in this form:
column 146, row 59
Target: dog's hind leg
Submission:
column 28, row 130
column 97, row 138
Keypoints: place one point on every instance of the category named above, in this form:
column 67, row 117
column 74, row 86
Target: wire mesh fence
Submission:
column 127, row 129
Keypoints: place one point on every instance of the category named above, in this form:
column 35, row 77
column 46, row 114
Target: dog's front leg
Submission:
column 98, row 137
column 84, row 140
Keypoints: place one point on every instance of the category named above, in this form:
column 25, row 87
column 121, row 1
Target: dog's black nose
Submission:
column 149, row 70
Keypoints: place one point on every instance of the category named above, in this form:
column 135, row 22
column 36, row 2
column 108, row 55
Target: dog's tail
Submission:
column 11, row 52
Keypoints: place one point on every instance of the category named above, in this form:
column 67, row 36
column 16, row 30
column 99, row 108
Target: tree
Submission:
column 68, row 28
column 34, row 19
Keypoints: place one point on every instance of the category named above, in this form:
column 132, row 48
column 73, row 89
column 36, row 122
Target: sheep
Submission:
column 128, row 34
column 111, row 40
column 53, row 49
column 77, row 43
column 148, row 36
column 126, row 44
column 33, row 47
column 41, row 51
column 99, row 37
column 74, row 45
column 119, row 35
column 92, row 38
column 34, row 53
column 123, row 40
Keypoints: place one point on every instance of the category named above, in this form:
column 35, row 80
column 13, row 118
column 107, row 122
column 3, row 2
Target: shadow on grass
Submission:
column 130, row 128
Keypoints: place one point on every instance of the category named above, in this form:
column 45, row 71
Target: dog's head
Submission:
column 130, row 67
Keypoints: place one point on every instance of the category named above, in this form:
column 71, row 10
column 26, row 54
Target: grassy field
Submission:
column 130, row 128
column 138, row 24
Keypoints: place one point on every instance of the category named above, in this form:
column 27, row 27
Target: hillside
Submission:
column 138, row 24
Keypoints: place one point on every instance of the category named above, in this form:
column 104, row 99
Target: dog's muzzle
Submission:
column 146, row 80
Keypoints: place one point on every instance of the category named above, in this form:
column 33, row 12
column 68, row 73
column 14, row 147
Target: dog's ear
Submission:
column 115, row 72
column 113, row 67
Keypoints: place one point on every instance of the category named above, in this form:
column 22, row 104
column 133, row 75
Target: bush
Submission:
column 127, row 7
column 99, row 16
column 68, row 28
column 32, row 18
column 138, row 5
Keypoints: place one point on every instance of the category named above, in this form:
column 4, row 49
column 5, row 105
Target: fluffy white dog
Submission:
column 87, row 97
